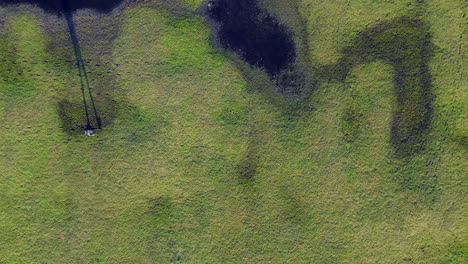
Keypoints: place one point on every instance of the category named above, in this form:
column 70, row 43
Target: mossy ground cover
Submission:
column 196, row 164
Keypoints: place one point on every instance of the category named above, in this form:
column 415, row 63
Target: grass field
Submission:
column 200, row 161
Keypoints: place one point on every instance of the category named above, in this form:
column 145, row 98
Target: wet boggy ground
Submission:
column 259, row 39
column 253, row 34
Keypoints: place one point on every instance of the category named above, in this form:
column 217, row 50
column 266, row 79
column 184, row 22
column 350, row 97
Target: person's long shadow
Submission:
column 66, row 8
column 57, row 6
column 84, row 81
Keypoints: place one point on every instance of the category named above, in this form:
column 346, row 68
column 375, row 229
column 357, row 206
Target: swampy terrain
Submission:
column 266, row 131
column 258, row 37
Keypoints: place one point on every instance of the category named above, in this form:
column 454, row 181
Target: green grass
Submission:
column 197, row 165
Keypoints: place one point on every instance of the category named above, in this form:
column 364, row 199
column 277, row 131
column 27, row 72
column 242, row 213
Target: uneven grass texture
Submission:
column 195, row 166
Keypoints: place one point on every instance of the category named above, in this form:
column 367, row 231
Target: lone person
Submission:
column 89, row 130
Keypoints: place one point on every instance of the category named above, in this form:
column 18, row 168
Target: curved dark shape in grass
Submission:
column 405, row 44
column 253, row 34
column 58, row 6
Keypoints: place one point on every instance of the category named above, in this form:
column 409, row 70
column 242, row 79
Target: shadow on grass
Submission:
column 83, row 75
column 58, row 6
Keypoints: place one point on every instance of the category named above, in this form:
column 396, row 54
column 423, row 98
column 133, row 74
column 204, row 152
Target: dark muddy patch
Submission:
column 253, row 34
column 58, row 6
column 405, row 44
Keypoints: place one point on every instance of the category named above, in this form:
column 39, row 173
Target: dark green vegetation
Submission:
column 405, row 44
column 202, row 161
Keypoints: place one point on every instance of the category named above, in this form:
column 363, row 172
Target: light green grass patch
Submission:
column 19, row 57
